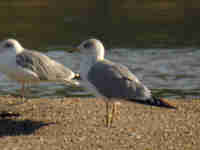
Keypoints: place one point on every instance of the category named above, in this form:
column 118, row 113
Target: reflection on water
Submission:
column 169, row 72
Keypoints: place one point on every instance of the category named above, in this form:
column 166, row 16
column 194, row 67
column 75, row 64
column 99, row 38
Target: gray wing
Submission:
column 116, row 81
column 43, row 66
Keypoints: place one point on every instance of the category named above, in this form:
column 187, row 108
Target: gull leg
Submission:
column 115, row 112
column 25, row 89
column 113, row 108
column 116, row 109
column 108, row 114
column 22, row 90
column 28, row 89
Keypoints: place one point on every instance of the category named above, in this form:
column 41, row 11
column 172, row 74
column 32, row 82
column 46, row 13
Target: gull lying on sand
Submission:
column 28, row 67
column 112, row 80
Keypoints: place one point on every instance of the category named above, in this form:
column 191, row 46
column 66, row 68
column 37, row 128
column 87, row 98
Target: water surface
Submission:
column 137, row 27
column 169, row 72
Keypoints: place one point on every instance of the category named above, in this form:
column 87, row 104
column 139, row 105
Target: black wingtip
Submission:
column 159, row 102
column 77, row 76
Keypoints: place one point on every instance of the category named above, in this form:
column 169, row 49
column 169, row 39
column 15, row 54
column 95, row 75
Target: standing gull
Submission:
column 112, row 80
column 26, row 66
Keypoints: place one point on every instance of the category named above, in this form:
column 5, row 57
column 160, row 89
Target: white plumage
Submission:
column 111, row 80
column 26, row 66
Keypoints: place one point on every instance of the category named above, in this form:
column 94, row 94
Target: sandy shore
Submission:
column 78, row 124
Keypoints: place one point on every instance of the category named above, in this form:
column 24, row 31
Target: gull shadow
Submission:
column 6, row 114
column 9, row 127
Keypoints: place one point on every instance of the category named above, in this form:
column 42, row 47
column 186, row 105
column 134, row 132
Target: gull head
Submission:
column 10, row 46
column 92, row 48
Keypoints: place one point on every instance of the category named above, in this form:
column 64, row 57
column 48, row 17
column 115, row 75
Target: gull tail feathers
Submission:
column 161, row 102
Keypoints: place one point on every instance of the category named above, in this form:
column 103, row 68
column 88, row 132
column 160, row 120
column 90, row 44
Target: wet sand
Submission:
column 79, row 124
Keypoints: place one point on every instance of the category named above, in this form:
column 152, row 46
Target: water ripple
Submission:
column 174, row 69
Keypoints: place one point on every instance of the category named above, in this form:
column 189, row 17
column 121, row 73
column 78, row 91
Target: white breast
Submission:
column 84, row 69
column 9, row 67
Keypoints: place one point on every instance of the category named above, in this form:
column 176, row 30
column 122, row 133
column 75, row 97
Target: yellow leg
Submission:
column 116, row 111
column 113, row 112
column 108, row 114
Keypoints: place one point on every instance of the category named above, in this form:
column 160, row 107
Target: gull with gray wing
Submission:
column 112, row 80
column 27, row 66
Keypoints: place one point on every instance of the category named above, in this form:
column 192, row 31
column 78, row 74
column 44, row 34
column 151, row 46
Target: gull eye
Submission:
column 87, row 45
column 8, row 45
